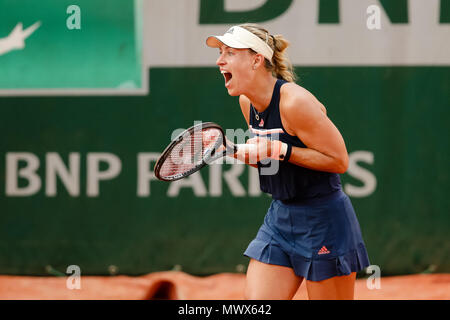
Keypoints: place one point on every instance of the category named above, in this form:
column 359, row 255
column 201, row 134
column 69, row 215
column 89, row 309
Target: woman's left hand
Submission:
column 265, row 148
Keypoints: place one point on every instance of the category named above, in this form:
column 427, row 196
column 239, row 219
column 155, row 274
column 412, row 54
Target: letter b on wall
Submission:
column 213, row 12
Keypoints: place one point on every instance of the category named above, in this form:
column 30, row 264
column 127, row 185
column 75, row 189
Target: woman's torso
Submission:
column 282, row 179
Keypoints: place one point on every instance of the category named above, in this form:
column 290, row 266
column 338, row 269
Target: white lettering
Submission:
column 145, row 175
column 28, row 172
column 70, row 178
column 368, row 178
column 231, row 178
column 215, row 179
column 254, row 189
column 94, row 175
column 194, row 181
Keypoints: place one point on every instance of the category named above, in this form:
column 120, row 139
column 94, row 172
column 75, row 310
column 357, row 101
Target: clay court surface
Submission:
column 179, row 285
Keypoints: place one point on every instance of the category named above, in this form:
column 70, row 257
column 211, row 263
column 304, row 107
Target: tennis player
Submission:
column 310, row 230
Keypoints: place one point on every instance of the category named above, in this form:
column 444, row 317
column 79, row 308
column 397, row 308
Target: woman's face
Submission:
column 236, row 66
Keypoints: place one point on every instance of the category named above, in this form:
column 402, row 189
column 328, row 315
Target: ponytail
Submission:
column 280, row 66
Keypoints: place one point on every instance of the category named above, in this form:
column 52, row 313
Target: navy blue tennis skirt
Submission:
column 318, row 238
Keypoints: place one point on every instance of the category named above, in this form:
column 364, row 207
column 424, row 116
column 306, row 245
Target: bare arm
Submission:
column 304, row 116
column 244, row 102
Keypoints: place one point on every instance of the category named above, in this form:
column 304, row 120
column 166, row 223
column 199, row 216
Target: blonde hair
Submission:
column 280, row 66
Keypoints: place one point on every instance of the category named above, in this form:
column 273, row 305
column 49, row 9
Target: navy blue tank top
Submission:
column 290, row 182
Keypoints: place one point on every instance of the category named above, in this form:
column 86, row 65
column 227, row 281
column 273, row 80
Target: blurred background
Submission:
column 91, row 91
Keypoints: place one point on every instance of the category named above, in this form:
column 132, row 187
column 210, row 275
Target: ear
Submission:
column 258, row 60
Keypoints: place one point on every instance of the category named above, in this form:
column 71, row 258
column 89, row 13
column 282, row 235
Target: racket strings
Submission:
column 190, row 151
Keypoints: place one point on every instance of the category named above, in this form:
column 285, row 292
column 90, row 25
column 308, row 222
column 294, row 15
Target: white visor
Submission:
column 240, row 38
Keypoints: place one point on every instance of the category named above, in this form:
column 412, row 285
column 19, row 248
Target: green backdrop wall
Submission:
column 404, row 221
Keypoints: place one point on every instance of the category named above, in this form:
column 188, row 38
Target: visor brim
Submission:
column 228, row 40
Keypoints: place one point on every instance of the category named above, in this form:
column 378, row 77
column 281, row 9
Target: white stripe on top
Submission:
column 264, row 132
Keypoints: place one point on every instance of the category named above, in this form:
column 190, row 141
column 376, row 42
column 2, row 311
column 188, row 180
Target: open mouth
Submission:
column 228, row 76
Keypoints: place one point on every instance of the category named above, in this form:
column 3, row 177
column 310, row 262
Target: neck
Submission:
column 261, row 91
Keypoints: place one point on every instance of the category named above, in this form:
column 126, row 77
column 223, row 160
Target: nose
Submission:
column 220, row 61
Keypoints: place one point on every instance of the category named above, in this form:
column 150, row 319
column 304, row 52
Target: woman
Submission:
column 310, row 230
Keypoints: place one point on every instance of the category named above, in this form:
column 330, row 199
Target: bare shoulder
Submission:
column 299, row 108
column 295, row 98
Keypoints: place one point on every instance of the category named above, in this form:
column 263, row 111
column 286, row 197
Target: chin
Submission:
column 233, row 92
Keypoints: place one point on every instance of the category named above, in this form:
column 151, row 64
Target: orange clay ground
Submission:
column 179, row 285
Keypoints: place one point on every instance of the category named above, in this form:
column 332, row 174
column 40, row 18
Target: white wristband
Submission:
column 283, row 150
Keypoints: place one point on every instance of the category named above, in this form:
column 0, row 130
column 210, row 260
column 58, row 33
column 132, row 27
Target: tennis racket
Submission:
column 193, row 149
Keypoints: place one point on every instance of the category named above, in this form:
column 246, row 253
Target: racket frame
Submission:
column 230, row 148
